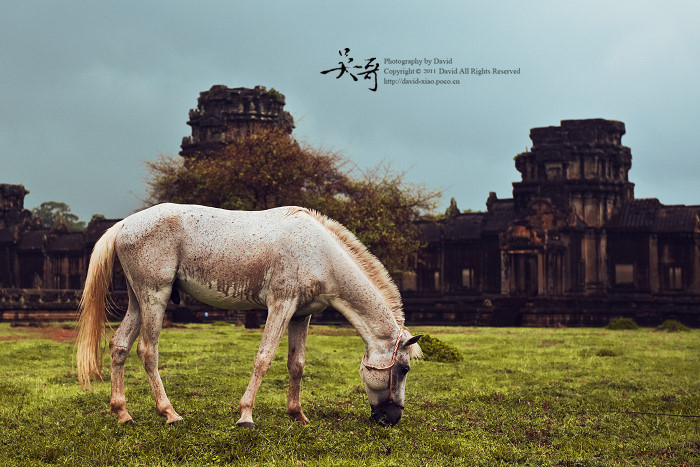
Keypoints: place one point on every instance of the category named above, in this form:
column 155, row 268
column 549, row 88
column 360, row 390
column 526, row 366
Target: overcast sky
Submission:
column 90, row 90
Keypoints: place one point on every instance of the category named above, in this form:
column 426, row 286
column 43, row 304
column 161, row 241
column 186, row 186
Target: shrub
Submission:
column 622, row 324
column 435, row 350
column 671, row 325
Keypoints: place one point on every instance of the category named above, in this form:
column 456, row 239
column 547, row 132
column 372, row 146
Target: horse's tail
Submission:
column 92, row 307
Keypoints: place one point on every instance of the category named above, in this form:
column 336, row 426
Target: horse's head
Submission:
column 386, row 385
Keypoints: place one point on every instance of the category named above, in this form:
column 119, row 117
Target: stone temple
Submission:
column 573, row 246
column 222, row 112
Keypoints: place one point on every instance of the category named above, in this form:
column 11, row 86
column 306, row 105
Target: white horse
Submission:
column 290, row 260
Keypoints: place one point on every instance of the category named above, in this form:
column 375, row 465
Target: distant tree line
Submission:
column 55, row 214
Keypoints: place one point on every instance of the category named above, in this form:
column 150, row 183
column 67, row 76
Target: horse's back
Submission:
column 224, row 258
column 185, row 222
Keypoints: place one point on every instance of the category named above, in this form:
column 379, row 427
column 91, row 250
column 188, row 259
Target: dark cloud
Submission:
column 90, row 90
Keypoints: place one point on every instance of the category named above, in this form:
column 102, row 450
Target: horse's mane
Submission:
column 373, row 268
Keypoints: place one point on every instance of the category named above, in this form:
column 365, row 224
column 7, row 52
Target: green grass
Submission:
column 521, row 396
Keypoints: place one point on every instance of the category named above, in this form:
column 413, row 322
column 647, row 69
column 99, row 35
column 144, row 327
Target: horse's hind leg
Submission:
column 298, row 330
column 119, row 348
column 152, row 311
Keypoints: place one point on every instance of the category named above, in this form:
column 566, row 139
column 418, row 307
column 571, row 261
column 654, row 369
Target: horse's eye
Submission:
column 404, row 369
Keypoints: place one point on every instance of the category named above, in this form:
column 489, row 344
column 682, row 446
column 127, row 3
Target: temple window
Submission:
column 468, row 278
column 674, row 277
column 624, row 274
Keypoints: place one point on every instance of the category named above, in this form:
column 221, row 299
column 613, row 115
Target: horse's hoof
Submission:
column 126, row 420
column 246, row 424
column 170, row 415
column 301, row 419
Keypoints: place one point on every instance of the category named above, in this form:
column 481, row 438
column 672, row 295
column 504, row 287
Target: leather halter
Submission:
column 391, row 365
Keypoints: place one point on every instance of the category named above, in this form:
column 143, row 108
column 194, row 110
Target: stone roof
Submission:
column 589, row 132
column 430, row 231
column 74, row 241
column 33, row 241
column 501, row 213
column 682, row 219
column 45, row 240
column 465, row 226
column 652, row 216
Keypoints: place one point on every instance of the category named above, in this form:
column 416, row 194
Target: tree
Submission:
column 54, row 213
column 381, row 209
column 260, row 169
column 265, row 167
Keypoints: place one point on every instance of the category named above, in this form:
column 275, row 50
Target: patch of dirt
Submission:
column 61, row 335
column 12, row 338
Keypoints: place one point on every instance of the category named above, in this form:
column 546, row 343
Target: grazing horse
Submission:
column 290, row 260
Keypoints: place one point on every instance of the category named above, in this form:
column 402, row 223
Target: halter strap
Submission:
column 391, row 365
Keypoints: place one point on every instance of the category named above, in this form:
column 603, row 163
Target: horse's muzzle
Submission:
column 387, row 413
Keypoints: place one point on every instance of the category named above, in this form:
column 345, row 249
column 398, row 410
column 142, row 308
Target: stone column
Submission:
column 695, row 284
column 505, row 273
column 541, row 274
column 654, row 279
column 591, row 254
column 603, row 260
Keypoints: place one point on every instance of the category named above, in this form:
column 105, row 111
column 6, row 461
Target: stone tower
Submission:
column 580, row 166
column 12, row 210
column 223, row 112
column 574, row 181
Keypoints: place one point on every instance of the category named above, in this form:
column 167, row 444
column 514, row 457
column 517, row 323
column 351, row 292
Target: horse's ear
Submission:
column 412, row 340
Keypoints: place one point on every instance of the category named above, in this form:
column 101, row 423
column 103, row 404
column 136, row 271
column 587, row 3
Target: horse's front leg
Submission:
column 278, row 316
column 298, row 330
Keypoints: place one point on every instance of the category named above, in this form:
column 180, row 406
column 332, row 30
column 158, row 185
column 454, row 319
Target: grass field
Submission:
column 568, row 397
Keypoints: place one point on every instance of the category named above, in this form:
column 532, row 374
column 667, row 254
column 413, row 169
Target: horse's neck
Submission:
column 365, row 308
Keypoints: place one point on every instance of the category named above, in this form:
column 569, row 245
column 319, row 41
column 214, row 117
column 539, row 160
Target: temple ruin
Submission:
column 223, row 112
column 573, row 246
